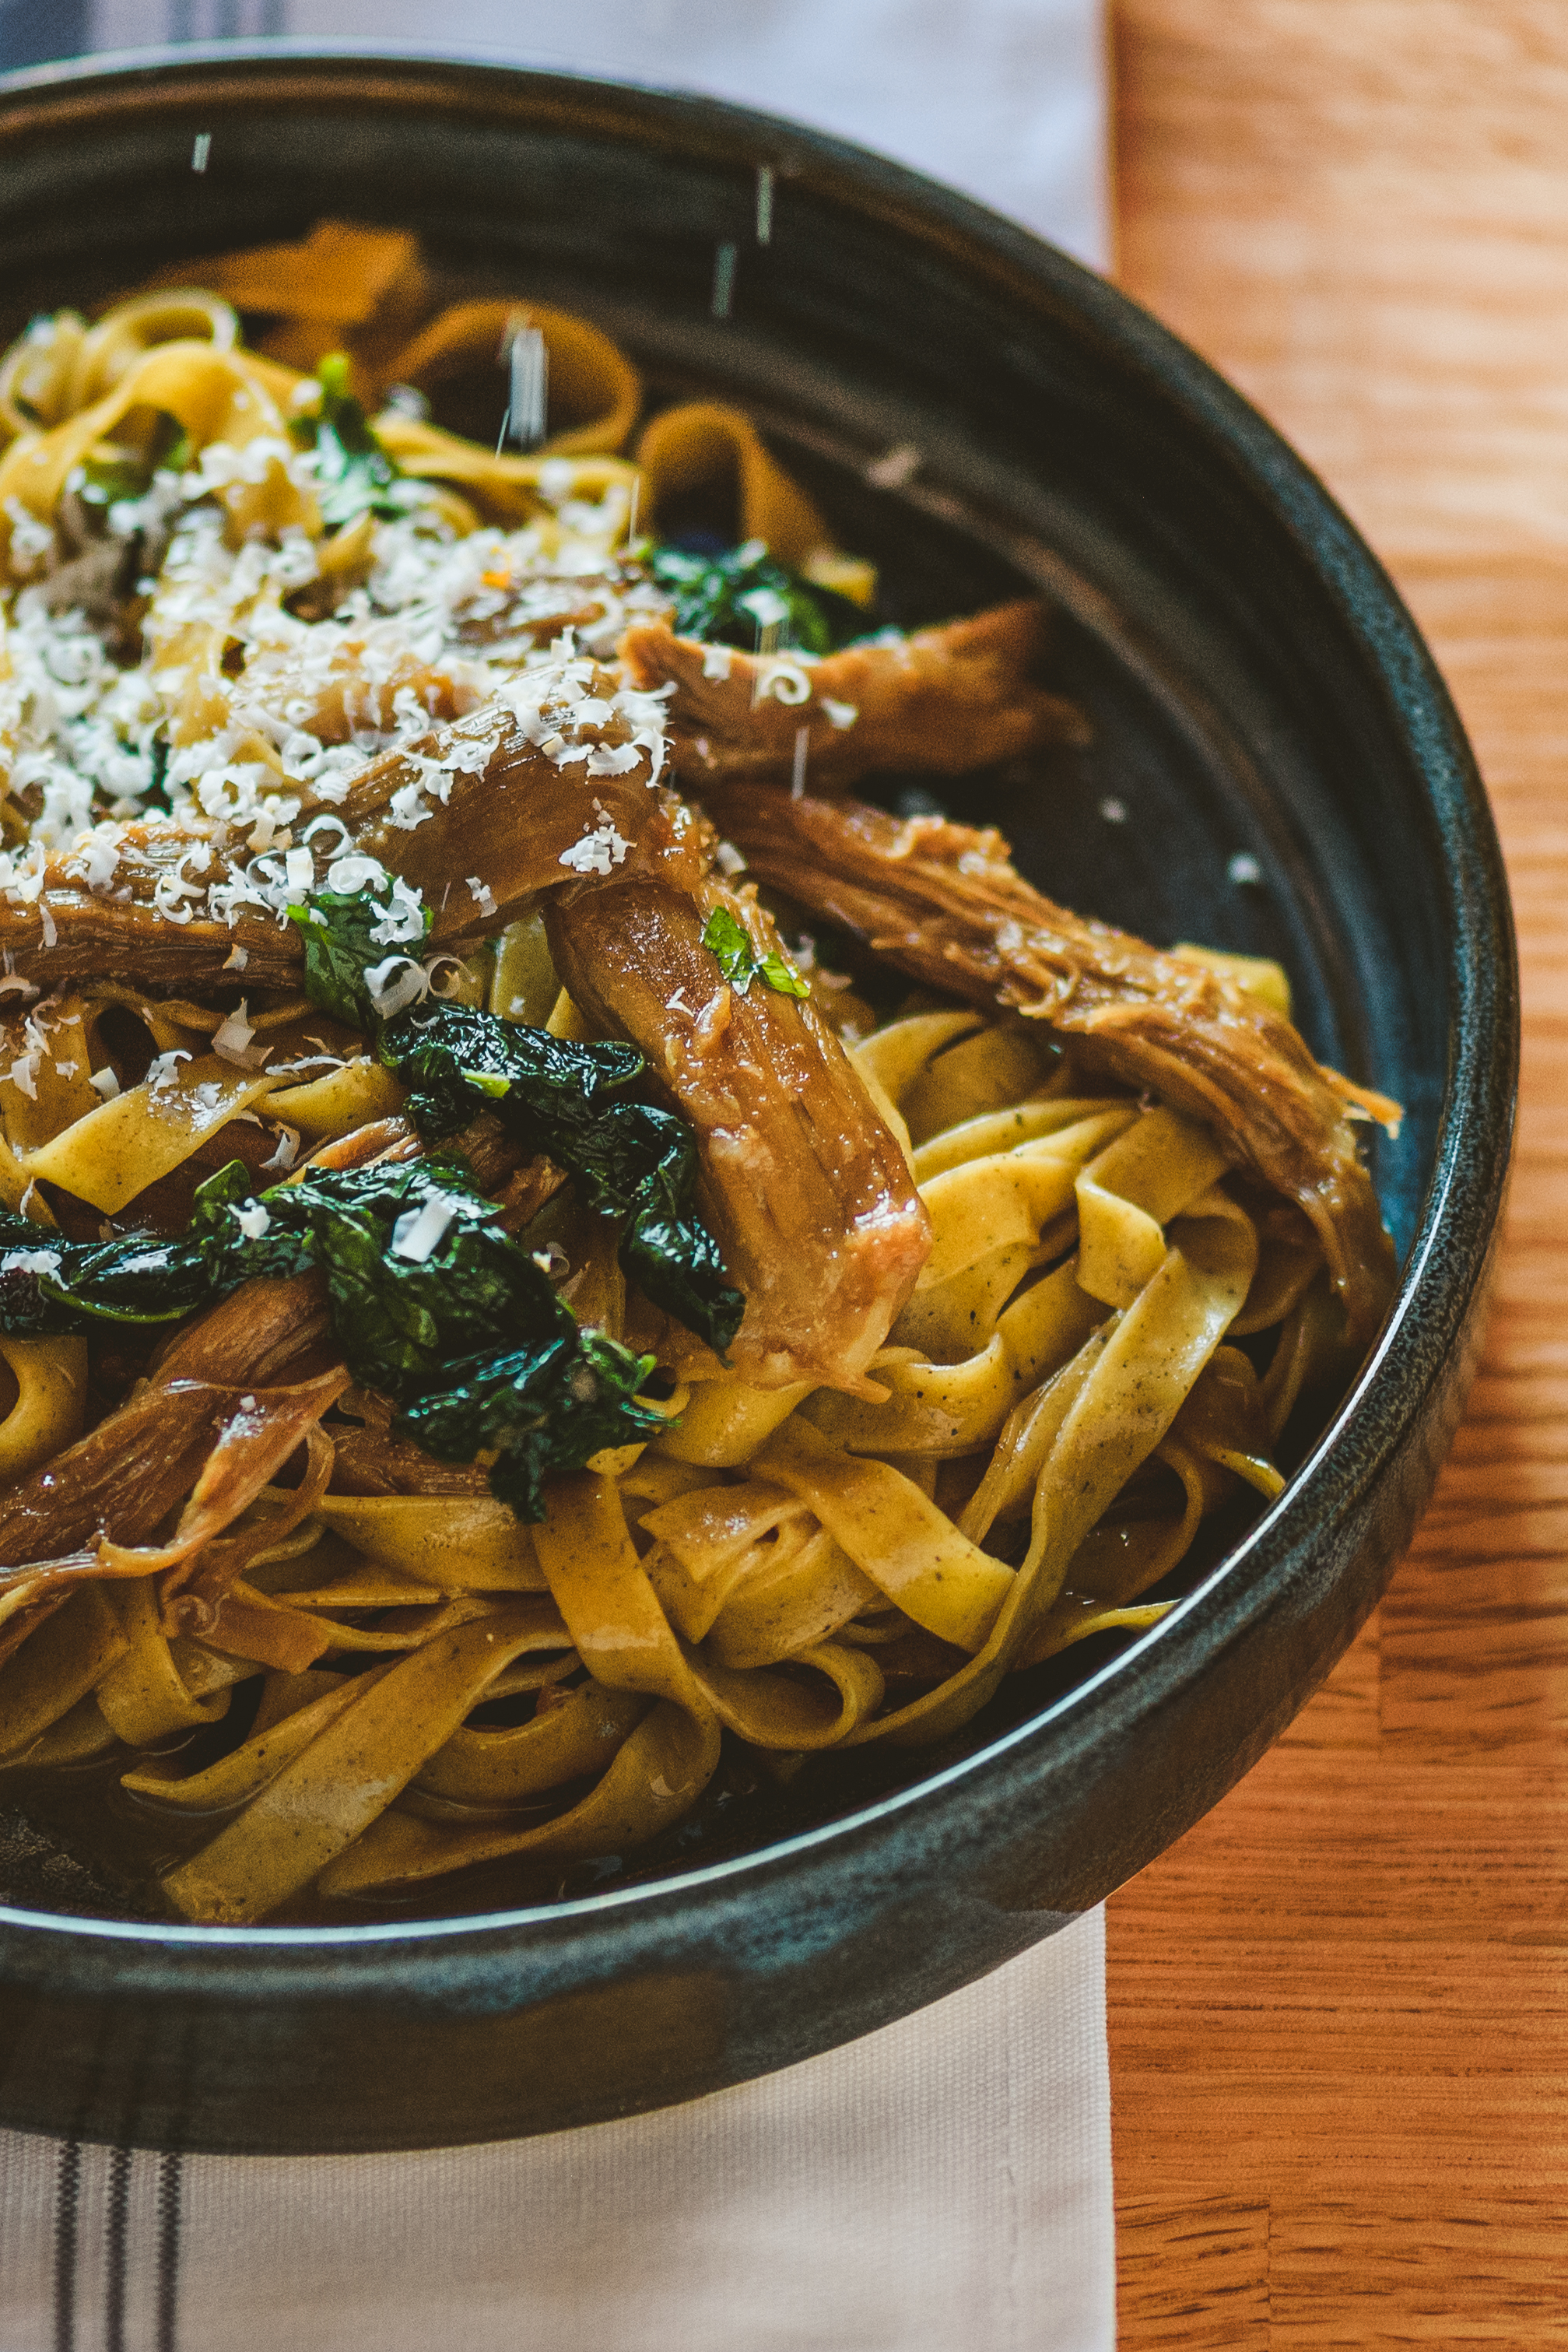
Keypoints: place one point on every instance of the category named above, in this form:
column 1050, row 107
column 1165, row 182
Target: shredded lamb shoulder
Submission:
column 945, row 904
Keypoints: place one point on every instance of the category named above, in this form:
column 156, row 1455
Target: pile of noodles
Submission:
column 317, row 1693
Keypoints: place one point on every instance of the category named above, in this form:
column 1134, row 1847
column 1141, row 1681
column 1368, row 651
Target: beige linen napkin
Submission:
column 1003, row 98
column 942, row 2186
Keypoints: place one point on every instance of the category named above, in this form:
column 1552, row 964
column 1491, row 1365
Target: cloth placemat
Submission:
column 1003, row 98
column 943, row 2183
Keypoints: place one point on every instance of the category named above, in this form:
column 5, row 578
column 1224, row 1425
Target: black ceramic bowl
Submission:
column 1259, row 694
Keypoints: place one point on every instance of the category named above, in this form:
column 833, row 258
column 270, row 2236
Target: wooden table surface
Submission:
column 1339, row 2008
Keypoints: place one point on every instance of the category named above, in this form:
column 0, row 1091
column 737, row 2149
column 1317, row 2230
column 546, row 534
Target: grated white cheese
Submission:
column 396, row 982
column 402, row 917
column 232, row 1040
column 613, row 758
column 785, row 680
column 355, row 873
column 164, row 1071
column 253, row 1219
column 419, row 1233
column 597, row 852
column 95, row 858
column 506, row 625
column 30, row 1261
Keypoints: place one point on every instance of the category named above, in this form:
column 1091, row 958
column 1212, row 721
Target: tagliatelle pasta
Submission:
column 504, row 1343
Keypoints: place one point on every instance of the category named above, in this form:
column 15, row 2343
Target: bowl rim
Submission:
column 1403, row 1371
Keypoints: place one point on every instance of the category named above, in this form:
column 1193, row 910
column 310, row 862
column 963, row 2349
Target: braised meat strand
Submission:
column 940, row 701
column 152, row 905
column 807, row 1191
column 945, row 904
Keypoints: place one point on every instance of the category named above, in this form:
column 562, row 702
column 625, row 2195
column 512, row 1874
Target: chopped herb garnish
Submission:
column 461, row 1329
column 354, row 474
column 628, row 1160
column 433, row 1304
column 336, row 927
column 50, row 1286
column 105, row 480
column 741, row 964
column 735, row 598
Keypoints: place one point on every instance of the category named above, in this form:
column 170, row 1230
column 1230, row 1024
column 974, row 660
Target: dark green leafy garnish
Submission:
column 734, row 598
column 354, row 475
column 439, row 1309
column 629, row 1160
column 741, row 964
column 50, row 1286
column 104, row 480
column 431, row 1303
column 336, row 927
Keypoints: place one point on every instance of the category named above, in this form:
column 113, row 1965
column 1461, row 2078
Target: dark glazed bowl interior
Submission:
column 1276, row 768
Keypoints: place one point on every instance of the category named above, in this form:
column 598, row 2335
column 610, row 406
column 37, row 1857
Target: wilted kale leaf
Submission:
column 628, row 1158
column 354, row 475
column 730, row 599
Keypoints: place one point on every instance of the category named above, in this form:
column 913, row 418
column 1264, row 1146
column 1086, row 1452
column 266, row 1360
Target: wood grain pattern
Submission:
column 1339, row 2008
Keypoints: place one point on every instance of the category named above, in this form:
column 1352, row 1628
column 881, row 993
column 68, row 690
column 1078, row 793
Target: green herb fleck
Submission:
column 336, row 927
column 113, row 476
column 731, row 599
column 466, row 1337
column 628, row 1160
column 354, row 474
column 741, row 964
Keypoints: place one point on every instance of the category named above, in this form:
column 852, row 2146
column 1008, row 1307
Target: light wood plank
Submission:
column 1341, row 2001
column 1222, row 2249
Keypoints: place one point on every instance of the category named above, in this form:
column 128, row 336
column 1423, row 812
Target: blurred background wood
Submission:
column 1338, row 2009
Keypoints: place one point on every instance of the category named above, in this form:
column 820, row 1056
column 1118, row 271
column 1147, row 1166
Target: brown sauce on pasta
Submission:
column 958, row 1299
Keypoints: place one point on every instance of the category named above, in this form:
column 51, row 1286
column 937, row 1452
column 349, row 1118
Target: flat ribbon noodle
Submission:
column 706, row 444
column 990, row 1217
column 460, row 1543
column 327, row 1796
column 589, row 377
column 64, row 1659
column 895, row 1534
column 625, row 1641
column 51, row 1394
column 656, row 1775
column 215, row 396
column 578, row 1736
column 122, row 1147
column 1130, row 1390
column 242, row 1774
column 750, row 1571
column 144, row 1697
